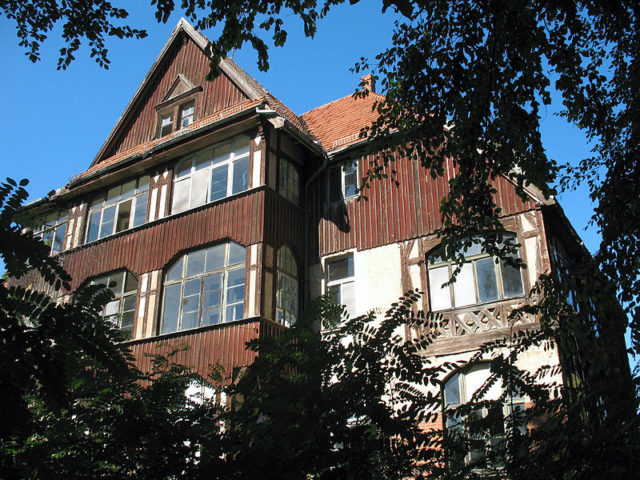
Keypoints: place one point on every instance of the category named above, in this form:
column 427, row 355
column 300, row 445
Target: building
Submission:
column 218, row 213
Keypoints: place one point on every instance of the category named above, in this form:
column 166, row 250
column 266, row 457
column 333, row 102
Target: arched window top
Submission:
column 204, row 287
column 124, row 286
column 480, row 279
column 286, row 261
column 211, row 174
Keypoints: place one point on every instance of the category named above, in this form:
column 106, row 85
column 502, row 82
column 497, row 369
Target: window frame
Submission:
column 456, row 422
column 287, row 269
column 473, row 259
column 289, row 180
column 50, row 226
column 225, row 270
column 121, row 297
column 344, row 169
column 203, row 161
column 102, row 203
column 341, row 282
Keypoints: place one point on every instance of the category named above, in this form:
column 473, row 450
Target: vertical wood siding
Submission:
column 393, row 213
column 152, row 246
column 186, row 58
column 223, row 345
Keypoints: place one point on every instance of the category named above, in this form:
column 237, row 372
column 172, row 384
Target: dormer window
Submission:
column 177, row 110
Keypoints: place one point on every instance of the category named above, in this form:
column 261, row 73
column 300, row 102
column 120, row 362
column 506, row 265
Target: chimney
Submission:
column 368, row 83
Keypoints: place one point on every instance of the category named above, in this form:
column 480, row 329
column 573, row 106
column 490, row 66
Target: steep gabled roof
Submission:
column 255, row 93
column 338, row 124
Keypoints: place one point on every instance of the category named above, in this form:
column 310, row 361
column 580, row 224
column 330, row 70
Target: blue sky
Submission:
column 54, row 122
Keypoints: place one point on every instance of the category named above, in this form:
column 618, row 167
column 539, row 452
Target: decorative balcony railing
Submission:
column 478, row 319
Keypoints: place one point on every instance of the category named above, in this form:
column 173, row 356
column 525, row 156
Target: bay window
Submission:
column 482, row 278
column 204, row 287
column 118, row 209
column 211, row 174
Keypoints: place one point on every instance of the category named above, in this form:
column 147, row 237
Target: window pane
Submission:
column 215, row 257
column 235, row 294
column 211, row 316
column 58, row 238
column 487, row 284
column 348, row 297
column 184, row 167
column 350, row 180
column 234, row 312
column 241, row 145
column 131, row 283
column 124, row 214
column 221, row 153
column 128, row 189
column 452, row 391
column 189, row 320
column 140, row 215
column 113, row 194
column 203, row 159
column 181, row 195
column 171, row 308
column 111, row 308
column 129, row 303
column 237, row 254
column 115, row 283
column 334, row 293
column 218, row 183
column 143, row 184
column 127, row 320
column 191, row 287
column 464, row 291
column 199, row 188
column 511, row 281
column 175, row 272
column 241, row 175
column 340, row 269
column 195, row 262
column 108, row 216
column 440, row 296
column 235, row 277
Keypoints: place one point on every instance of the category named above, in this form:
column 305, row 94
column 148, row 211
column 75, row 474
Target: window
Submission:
column 343, row 181
column 121, row 309
column 478, row 438
column 186, row 116
column 119, row 209
column 341, row 282
column 211, row 174
column 287, row 291
column 481, row 279
column 166, row 125
column 52, row 231
column 289, row 181
column 204, row 287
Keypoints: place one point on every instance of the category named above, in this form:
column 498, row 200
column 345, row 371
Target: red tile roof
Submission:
column 338, row 123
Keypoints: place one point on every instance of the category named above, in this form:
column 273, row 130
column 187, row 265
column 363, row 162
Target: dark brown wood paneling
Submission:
column 186, row 58
column 223, row 345
column 283, row 223
column 393, row 212
column 153, row 246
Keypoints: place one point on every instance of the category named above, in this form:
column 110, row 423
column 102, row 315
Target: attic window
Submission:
column 177, row 109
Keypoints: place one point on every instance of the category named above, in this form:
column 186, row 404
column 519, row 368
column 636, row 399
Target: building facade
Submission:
column 217, row 214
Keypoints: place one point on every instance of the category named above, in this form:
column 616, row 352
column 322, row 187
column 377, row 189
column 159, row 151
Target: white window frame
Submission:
column 202, row 164
column 139, row 198
column 348, row 169
column 53, row 230
column 287, row 287
column 189, row 117
column 468, row 274
column 164, row 121
column 120, row 307
column 457, row 425
column 182, row 269
column 289, row 181
column 339, row 284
